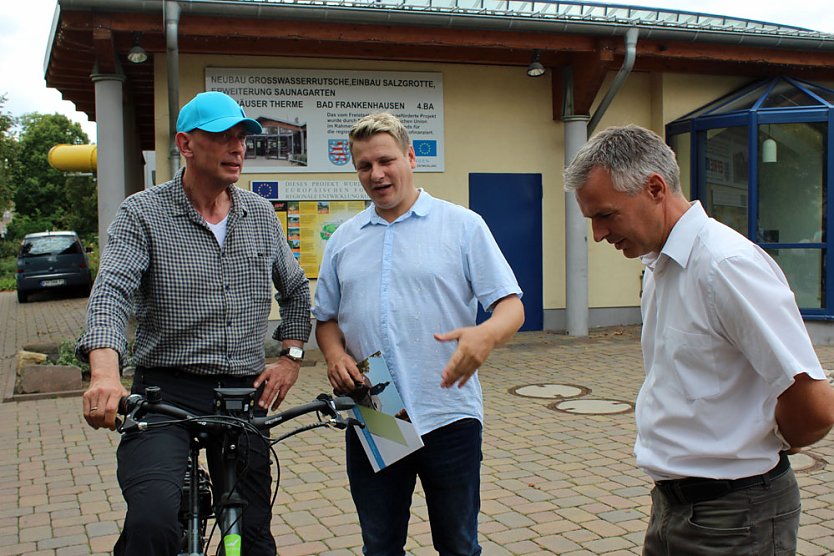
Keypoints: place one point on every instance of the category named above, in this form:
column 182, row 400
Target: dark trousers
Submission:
column 756, row 521
column 449, row 467
column 152, row 464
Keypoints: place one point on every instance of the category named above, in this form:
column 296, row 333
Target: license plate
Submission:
column 52, row 283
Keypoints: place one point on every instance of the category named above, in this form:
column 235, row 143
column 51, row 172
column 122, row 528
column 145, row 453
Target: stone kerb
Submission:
column 35, row 378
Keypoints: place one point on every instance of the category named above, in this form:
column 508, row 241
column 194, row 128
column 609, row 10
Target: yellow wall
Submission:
column 652, row 101
column 496, row 120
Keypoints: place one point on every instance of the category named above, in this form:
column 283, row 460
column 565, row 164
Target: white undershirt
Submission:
column 219, row 230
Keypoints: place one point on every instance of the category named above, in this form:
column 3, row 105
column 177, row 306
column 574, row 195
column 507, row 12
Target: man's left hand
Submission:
column 474, row 346
column 475, row 343
column 277, row 379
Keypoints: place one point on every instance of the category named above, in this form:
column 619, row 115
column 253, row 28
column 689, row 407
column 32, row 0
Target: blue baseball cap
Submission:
column 214, row 111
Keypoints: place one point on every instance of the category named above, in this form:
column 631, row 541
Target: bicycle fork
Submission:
column 195, row 537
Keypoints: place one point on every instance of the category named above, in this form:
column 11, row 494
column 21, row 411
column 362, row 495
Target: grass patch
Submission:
column 66, row 356
column 8, row 269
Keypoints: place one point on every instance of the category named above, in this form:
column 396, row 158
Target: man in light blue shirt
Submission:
column 404, row 277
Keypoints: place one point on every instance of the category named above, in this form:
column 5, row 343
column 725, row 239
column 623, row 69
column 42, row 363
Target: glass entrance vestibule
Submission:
column 760, row 161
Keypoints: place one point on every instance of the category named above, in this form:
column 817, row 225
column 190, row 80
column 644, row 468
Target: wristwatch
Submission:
column 293, row 352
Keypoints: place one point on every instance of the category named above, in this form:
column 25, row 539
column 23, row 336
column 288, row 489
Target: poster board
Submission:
column 310, row 211
column 307, row 114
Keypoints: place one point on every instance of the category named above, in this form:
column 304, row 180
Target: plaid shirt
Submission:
column 199, row 307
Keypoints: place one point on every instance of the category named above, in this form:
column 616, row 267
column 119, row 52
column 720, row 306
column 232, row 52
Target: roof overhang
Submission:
column 97, row 34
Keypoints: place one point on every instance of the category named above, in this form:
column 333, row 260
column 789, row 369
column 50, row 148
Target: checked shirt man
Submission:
column 194, row 259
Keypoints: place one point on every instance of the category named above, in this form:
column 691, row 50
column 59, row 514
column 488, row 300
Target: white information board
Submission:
column 307, row 114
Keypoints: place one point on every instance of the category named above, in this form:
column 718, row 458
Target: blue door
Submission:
column 511, row 205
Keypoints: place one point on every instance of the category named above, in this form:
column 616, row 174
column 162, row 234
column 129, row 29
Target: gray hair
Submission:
column 630, row 154
column 382, row 122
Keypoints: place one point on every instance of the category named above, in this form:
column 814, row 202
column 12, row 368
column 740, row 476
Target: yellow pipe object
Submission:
column 73, row 158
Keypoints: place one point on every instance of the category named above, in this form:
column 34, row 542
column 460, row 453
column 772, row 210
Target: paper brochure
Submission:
column 388, row 434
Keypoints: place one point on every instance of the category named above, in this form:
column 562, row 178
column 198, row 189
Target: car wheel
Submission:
column 22, row 297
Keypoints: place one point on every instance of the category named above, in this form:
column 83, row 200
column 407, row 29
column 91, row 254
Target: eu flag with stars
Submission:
column 268, row 189
column 425, row 147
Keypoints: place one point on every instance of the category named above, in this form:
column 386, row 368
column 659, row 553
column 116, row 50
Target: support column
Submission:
column 110, row 176
column 576, row 240
column 171, row 14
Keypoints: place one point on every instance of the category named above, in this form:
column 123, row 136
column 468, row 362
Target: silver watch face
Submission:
column 295, row 353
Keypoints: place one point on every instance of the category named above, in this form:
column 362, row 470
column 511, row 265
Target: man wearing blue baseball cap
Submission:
column 194, row 260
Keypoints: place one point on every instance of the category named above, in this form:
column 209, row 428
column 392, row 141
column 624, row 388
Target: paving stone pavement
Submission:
column 553, row 482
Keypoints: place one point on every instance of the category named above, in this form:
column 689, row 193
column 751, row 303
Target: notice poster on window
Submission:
column 307, row 114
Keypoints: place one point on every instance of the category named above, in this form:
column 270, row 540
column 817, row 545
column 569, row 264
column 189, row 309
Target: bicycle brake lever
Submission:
column 128, row 425
column 343, row 423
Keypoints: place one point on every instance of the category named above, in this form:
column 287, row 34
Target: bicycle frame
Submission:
column 196, row 514
column 234, row 416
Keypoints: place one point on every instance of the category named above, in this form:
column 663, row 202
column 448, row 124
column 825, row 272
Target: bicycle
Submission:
column 234, row 415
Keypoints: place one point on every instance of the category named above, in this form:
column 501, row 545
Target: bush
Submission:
column 66, row 356
column 7, row 284
column 9, row 248
column 93, row 255
column 8, row 269
column 23, row 224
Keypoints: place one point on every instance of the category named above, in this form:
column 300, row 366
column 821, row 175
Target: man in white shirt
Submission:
column 732, row 380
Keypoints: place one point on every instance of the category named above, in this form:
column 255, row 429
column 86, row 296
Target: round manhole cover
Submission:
column 806, row 461
column 550, row 391
column 592, row 407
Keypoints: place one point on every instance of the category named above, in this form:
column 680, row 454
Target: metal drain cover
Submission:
column 550, row 391
column 806, row 461
column 592, row 407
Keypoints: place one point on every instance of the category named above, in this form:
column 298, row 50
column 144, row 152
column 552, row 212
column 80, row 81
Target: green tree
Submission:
column 42, row 193
column 8, row 155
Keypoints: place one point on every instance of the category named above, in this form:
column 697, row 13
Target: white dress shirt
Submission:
column 722, row 339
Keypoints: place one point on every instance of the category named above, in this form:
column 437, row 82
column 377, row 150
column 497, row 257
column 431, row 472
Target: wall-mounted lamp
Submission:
column 535, row 69
column 137, row 54
column 769, row 150
column 769, row 153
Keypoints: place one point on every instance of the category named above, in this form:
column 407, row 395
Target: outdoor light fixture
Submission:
column 769, row 153
column 137, row 54
column 769, row 150
column 535, row 69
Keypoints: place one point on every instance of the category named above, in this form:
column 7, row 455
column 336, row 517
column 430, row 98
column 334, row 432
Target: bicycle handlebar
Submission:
column 135, row 406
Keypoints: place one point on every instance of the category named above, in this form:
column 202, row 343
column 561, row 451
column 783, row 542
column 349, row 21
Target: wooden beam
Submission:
column 105, row 51
column 322, row 49
column 382, row 34
column 711, row 52
column 589, row 72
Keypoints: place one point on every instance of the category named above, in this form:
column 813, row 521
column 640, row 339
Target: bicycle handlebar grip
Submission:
column 343, row 402
column 128, row 403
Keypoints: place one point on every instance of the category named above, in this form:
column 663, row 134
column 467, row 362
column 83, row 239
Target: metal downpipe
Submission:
column 171, row 14
column 576, row 240
column 619, row 79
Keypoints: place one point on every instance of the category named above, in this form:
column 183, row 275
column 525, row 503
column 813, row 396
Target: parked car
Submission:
column 52, row 260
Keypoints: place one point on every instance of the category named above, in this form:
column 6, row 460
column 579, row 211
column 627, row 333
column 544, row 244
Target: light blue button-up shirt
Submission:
column 391, row 286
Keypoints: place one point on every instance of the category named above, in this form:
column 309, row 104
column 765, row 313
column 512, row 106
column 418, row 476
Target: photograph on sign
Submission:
column 306, row 115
